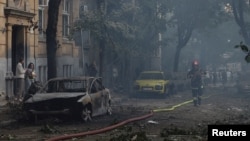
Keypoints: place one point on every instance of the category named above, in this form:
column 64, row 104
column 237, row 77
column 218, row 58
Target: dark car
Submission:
column 83, row 97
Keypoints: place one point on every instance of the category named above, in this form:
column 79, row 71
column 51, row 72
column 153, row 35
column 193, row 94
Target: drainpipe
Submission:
column 83, row 70
column 34, row 38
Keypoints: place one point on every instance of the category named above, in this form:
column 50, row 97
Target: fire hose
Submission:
column 102, row 130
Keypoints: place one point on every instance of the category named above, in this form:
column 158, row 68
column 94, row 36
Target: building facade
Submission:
column 23, row 34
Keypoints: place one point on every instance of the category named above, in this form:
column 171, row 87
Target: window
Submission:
column 42, row 4
column 65, row 18
column 66, row 6
column 67, row 70
column 66, row 86
column 42, row 74
column 75, row 85
column 85, row 8
column 156, row 76
column 65, row 25
column 96, row 86
column 41, row 20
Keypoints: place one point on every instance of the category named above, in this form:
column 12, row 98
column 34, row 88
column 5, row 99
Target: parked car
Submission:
column 243, row 83
column 84, row 97
column 151, row 82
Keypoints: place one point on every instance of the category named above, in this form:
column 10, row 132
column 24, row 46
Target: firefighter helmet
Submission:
column 195, row 63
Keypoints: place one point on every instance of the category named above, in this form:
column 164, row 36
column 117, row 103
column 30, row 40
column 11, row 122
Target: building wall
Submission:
column 2, row 46
column 34, row 43
column 67, row 51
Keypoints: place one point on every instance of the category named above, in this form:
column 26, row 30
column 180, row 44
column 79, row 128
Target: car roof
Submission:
column 152, row 71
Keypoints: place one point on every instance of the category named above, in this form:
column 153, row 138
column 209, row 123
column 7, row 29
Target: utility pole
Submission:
column 101, row 5
column 156, row 57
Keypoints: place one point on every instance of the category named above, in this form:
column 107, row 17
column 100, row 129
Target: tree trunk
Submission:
column 184, row 34
column 51, row 32
column 176, row 58
column 101, row 57
column 239, row 18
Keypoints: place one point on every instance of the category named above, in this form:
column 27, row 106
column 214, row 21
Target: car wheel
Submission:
column 86, row 113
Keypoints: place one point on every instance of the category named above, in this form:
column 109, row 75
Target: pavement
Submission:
column 3, row 101
column 219, row 84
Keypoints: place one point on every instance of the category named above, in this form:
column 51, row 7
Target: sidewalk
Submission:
column 219, row 84
column 3, row 101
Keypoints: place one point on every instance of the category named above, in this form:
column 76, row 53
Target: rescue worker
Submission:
column 195, row 74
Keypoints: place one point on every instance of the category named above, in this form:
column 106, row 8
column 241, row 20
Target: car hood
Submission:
column 151, row 82
column 48, row 96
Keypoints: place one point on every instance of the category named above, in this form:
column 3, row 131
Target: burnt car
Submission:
column 83, row 97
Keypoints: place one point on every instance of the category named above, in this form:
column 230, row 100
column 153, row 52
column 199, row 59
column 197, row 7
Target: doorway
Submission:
column 18, row 46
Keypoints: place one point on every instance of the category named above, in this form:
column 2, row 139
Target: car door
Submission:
column 97, row 95
column 105, row 94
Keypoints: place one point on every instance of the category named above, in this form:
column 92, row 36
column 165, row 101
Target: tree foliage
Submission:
column 193, row 15
column 132, row 27
column 240, row 11
column 127, row 25
column 129, row 28
column 245, row 49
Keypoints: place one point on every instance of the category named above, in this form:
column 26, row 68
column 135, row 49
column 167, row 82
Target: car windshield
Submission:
column 66, row 86
column 157, row 76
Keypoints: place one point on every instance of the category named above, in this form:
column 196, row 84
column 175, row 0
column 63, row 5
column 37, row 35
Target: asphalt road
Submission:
column 175, row 119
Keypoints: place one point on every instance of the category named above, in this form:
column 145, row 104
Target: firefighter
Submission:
column 195, row 74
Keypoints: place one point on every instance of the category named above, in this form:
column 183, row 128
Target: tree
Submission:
column 245, row 49
column 190, row 15
column 185, row 21
column 51, row 42
column 124, row 29
column 239, row 7
column 128, row 25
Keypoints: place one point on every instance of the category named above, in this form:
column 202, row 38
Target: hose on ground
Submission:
column 102, row 130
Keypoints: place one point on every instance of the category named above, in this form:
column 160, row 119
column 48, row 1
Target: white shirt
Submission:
column 20, row 71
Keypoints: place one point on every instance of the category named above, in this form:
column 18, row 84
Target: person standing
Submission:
column 20, row 75
column 93, row 69
column 214, row 78
column 195, row 74
column 30, row 75
column 224, row 77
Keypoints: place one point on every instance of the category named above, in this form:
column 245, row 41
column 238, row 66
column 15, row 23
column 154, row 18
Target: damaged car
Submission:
column 82, row 97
